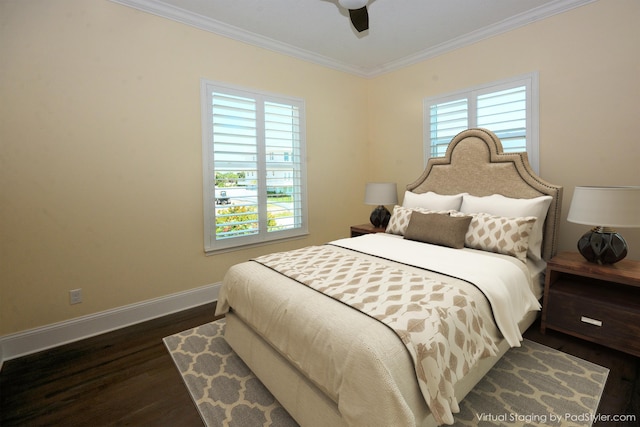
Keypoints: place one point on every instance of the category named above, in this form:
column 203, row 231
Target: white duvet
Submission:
column 359, row 363
column 505, row 281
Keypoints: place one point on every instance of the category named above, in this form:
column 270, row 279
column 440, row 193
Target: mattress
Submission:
column 357, row 364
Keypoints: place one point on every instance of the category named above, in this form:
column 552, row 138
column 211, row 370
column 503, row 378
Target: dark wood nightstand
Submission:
column 599, row 303
column 359, row 230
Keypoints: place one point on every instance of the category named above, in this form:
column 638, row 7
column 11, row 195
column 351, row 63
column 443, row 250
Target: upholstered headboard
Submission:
column 476, row 164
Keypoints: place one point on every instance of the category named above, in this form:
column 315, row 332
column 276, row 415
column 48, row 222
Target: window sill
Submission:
column 211, row 252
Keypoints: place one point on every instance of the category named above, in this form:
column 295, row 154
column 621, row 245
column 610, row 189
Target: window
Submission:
column 508, row 108
column 254, row 166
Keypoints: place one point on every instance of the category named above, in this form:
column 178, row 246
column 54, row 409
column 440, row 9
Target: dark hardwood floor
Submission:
column 127, row 377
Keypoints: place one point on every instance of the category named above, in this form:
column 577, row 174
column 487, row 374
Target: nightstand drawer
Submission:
column 599, row 318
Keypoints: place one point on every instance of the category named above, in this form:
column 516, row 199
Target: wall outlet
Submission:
column 75, row 296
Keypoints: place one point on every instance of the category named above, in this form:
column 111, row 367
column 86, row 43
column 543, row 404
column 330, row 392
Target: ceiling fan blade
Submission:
column 359, row 18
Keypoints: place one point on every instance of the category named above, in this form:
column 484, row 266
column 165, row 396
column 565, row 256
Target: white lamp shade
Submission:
column 381, row 193
column 353, row 4
column 606, row 206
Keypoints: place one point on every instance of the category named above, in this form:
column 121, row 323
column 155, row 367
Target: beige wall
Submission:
column 100, row 161
column 101, row 167
column 588, row 62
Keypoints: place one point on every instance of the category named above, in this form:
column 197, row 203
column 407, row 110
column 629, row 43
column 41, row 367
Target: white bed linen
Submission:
column 359, row 363
column 504, row 280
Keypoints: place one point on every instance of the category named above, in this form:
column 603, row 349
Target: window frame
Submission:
column 529, row 80
column 212, row 244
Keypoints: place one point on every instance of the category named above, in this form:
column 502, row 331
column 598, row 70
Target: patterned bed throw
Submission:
column 438, row 323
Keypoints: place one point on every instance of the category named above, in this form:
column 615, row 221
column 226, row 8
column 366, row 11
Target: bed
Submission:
column 291, row 316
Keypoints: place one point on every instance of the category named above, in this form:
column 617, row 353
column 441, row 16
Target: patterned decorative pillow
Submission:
column 499, row 205
column 509, row 236
column 401, row 216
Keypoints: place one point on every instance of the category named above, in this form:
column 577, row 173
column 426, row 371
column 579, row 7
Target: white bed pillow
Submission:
column 500, row 205
column 433, row 201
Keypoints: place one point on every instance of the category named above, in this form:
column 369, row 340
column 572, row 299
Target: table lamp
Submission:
column 380, row 194
column 604, row 208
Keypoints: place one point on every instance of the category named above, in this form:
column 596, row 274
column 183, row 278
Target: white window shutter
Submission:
column 507, row 108
column 254, row 167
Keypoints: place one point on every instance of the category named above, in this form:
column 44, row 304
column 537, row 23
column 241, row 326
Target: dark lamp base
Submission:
column 603, row 246
column 380, row 217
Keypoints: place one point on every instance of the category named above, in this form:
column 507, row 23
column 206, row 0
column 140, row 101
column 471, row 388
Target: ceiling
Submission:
column 401, row 32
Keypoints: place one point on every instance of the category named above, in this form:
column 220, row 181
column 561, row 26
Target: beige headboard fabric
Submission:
column 476, row 164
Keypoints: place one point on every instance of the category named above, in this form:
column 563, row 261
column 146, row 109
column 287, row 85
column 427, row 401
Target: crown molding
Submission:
column 504, row 26
column 230, row 31
column 212, row 25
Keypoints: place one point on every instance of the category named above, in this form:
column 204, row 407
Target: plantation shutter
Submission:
column 505, row 114
column 235, row 154
column 283, row 160
column 507, row 108
column 253, row 147
column 447, row 120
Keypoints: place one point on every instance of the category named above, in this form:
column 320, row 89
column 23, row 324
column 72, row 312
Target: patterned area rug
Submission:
column 532, row 385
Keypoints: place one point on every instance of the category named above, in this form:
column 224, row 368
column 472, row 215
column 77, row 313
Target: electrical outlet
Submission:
column 75, row 296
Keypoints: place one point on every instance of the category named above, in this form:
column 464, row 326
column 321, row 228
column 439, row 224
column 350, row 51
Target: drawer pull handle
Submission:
column 591, row 321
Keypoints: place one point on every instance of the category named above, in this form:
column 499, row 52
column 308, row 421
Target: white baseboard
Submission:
column 56, row 334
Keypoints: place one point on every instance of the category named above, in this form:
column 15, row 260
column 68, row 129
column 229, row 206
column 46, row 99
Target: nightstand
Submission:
column 359, row 230
column 598, row 303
